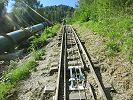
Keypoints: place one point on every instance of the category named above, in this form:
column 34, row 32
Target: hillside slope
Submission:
column 116, row 71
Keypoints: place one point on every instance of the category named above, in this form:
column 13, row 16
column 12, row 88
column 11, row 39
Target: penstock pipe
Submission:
column 14, row 38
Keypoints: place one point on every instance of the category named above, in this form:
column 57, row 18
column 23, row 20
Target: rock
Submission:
column 12, row 94
column 112, row 70
column 48, row 89
column 54, row 64
column 103, row 68
column 111, row 88
column 26, row 91
column 124, row 74
column 53, row 70
column 95, row 62
column 44, row 57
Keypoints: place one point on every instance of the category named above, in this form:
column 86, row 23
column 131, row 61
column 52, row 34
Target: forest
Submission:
column 22, row 16
column 112, row 19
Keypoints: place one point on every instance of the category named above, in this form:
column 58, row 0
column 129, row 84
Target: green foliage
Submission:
column 100, row 9
column 49, row 32
column 12, row 65
column 4, row 88
column 111, row 19
column 38, row 54
column 3, row 3
column 57, row 13
column 36, row 43
column 21, row 71
column 112, row 48
column 127, row 47
column 117, row 31
column 22, row 16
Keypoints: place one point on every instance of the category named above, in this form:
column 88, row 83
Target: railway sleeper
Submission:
column 72, row 52
column 72, row 48
column 77, row 96
column 70, row 45
column 74, row 63
column 73, row 58
column 49, row 89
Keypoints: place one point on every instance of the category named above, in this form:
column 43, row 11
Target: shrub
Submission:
column 4, row 88
column 21, row 71
column 112, row 48
column 117, row 31
column 38, row 54
column 37, row 43
column 14, row 75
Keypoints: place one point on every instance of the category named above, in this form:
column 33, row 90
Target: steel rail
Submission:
column 73, row 56
column 100, row 87
column 79, row 51
column 80, row 58
column 61, row 89
column 60, row 65
column 65, row 64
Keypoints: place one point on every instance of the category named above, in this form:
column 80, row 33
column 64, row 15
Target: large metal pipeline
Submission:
column 13, row 38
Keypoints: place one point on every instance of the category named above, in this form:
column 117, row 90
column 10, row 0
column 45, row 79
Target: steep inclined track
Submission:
column 77, row 79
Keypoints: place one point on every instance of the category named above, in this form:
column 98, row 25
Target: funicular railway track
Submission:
column 77, row 79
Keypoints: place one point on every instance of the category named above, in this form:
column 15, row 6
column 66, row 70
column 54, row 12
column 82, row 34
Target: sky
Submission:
column 48, row 3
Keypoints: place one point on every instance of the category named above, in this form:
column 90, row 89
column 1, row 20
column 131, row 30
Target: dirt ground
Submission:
column 33, row 87
column 117, row 71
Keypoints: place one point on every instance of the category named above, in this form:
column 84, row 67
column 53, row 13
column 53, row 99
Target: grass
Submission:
column 15, row 75
column 19, row 72
column 37, row 43
column 38, row 54
column 4, row 88
column 118, row 32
